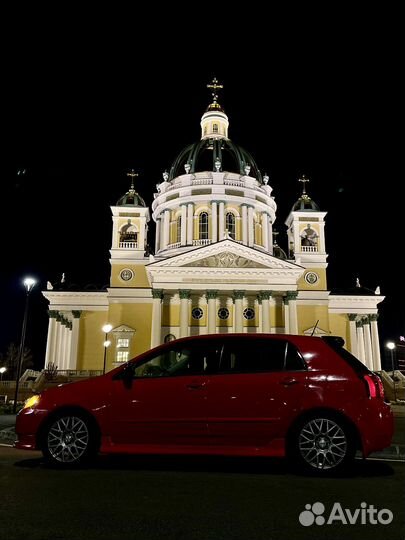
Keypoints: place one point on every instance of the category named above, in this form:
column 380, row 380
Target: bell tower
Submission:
column 129, row 236
column 306, row 238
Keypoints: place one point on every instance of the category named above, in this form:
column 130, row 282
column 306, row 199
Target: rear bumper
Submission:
column 376, row 427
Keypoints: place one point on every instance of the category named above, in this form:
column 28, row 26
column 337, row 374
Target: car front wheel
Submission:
column 69, row 440
column 323, row 444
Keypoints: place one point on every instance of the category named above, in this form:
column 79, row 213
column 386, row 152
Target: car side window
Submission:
column 293, row 359
column 175, row 361
column 252, row 356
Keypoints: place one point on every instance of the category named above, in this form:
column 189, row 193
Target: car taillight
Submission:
column 374, row 386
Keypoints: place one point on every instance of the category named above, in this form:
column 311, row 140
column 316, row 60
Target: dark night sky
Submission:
column 307, row 90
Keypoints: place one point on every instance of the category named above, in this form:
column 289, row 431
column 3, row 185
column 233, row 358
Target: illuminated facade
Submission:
column 216, row 266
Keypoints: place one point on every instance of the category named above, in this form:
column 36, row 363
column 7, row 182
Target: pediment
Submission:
column 225, row 254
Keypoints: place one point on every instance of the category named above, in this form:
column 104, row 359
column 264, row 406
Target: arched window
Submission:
column 203, row 226
column 128, row 236
column 230, row 225
column 215, row 128
column 178, row 230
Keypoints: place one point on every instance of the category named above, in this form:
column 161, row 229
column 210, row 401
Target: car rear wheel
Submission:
column 69, row 440
column 323, row 444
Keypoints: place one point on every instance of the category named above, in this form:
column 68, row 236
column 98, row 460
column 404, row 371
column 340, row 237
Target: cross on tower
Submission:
column 304, row 180
column 215, row 86
column 131, row 173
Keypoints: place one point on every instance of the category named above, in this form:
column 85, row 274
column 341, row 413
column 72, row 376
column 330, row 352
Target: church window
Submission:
column 178, row 230
column 128, row 236
column 197, row 313
column 215, row 128
column 230, row 225
column 122, row 356
column 223, row 313
column 203, row 226
column 249, row 313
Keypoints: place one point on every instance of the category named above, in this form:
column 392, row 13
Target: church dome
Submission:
column 217, row 155
column 305, row 203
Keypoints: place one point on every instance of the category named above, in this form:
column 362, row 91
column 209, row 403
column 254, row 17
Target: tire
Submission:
column 69, row 439
column 322, row 444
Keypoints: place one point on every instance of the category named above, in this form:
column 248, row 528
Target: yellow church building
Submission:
column 216, row 266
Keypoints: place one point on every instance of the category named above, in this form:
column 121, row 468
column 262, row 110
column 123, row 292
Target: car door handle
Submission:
column 289, row 381
column 195, row 386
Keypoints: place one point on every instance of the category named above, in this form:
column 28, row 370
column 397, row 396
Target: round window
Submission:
column 249, row 313
column 223, row 313
column 126, row 274
column 197, row 313
column 311, row 277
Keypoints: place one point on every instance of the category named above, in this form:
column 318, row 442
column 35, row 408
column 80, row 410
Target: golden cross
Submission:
column 214, row 86
column 132, row 174
column 304, row 180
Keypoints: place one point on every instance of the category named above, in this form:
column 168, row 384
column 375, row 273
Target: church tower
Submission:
column 306, row 239
column 129, row 237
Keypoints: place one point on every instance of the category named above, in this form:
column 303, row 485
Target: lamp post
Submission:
column 2, row 370
column 391, row 346
column 106, row 329
column 29, row 284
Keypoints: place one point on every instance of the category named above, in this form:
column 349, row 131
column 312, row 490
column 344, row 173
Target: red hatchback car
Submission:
column 235, row 394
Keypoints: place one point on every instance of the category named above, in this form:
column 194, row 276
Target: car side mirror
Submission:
column 126, row 375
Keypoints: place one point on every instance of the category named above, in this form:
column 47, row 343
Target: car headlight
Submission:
column 31, row 402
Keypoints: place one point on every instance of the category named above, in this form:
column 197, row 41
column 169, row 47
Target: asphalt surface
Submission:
column 144, row 497
column 189, row 498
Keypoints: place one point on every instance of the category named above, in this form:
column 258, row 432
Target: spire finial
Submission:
column 131, row 173
column 214, row 86
column 304, row 179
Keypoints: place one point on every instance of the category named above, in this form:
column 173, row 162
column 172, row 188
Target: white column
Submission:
column 360, row 342
column 353, row 334
column 190, row 223
column 65, row 342
column 260, row 311
column 74, row 346
column 221, row 221
column 50, row 342
column 214, row 221
column 265, row 296
column 166, row 228
column 59, row 342
column 157, row 243
column 265, row 231
column 244, row 225
column 251, row 231
column 286, row 315
column 212, row 311
column 184, row 309
column 270, row 237
column 375, row 340
column 183, row 237
column 291, row 296
column 367, row 343
column 238, row 299
column 157, row 295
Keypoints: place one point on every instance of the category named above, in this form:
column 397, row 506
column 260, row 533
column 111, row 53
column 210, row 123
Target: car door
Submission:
column 258, row 389
column 164, row 399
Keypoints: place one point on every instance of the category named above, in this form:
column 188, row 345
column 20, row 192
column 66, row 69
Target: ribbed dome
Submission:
column 203, row 155
column 305, row 203
column 131, row 198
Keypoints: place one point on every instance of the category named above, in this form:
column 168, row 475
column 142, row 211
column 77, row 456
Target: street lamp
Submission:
column 106, row 329
column 29, row 284
column 391, row 346
column 2, row 370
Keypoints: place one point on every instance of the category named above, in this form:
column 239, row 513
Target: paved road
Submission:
column 188, row 498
